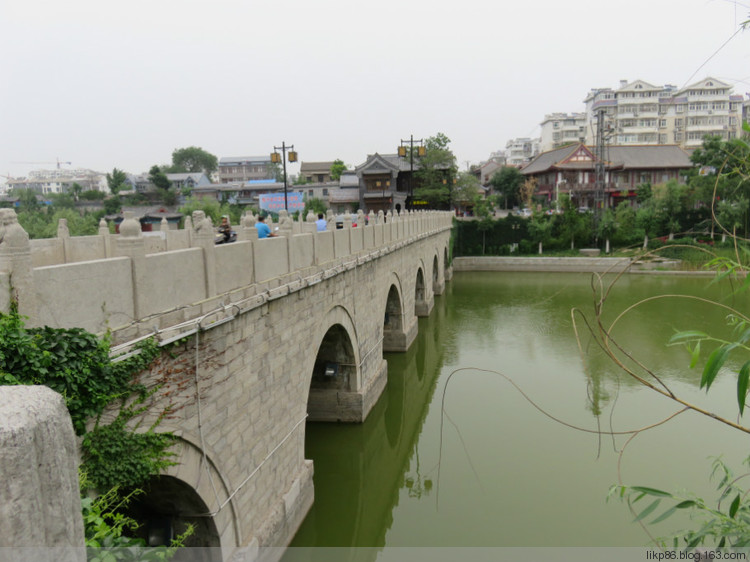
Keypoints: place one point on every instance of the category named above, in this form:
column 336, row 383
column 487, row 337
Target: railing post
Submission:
column 204, row 237
column 15, row 260
column 106, row 237
column 131, row 244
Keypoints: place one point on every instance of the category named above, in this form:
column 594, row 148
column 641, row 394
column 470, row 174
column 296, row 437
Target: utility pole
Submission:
column 599, row 167
column 275, row 157
column 402, row 153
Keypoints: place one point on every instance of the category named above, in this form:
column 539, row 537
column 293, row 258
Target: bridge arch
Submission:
column 395, row 323
column 423, row 298
column 334, row 373
column 447, row 271
column 193, row 491
column 438, row 275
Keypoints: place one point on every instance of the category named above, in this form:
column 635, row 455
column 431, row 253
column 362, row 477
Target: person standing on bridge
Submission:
column 321, row 223
column 264, row 231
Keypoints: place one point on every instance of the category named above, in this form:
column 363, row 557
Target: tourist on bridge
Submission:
column 264, row 231
column 321, row 223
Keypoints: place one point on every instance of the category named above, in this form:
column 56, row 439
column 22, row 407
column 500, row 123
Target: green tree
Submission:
column 193, row 159
column 722, row 172
column 27, row 199
column 434, row 176
column 62, row 200
column 116, row 181
column 624, row 223
column 316, row 205
column 506, row 182
column 93, row 195
column 540, row 230
column 731, row 215
column 643, row 192
column 76, row 189
column 670, row 201
column 466, row 190
column 572, row 223
column 337, row 168
column 646, row 221
column 158, row 178
column 112, row 205
column 606, row 227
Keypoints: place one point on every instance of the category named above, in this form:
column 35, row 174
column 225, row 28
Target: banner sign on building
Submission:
column 274, row 202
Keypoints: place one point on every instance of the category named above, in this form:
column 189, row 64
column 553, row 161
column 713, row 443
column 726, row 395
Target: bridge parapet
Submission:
column 115, row 282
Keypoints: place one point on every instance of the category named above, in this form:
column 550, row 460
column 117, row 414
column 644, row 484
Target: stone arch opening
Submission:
column 394, row 337
column 164, row 511
column 334, row 371
column 419, row 289
column 421, row 306
column 436, row 286
column 447, row 271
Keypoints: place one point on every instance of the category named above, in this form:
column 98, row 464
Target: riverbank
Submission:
column 571, row 264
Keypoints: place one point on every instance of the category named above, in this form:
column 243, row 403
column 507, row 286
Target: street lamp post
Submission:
column 402, row 153
column 276, row 158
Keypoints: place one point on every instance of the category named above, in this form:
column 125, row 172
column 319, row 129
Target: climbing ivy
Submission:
column 77, row 364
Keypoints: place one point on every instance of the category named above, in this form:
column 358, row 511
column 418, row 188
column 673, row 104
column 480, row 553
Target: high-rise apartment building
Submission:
column 641, row 113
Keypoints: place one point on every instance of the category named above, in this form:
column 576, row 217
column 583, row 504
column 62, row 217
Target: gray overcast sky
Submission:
column 104, row 84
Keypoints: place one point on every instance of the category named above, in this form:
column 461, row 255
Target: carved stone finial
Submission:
column 103, row 227
column 310, row 216
column 130, row 227
column 164, row 224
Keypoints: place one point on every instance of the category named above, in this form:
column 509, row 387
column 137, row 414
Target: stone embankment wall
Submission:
column 569, row 264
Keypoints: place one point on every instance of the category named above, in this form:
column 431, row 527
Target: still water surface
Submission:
column 454, row 455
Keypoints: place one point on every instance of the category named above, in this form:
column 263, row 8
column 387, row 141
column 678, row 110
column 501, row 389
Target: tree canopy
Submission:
column 193, row 159
column 506, row 182
column 436, row 171
column 116, row 181
column 337, row 168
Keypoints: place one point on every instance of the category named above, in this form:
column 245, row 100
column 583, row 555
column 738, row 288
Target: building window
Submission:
column 325, row 192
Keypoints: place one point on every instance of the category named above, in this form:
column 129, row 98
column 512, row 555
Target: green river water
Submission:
column 454, row 455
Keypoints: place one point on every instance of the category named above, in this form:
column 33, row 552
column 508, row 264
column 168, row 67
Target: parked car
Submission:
column 525, row 212
column 584, row 209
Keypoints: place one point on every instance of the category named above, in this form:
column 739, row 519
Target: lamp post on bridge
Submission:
column 402, row 154
column 276, row 158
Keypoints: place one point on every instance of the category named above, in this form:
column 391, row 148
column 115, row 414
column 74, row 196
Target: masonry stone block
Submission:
column 40, row 501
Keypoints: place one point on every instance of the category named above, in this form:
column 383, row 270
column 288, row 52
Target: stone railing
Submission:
column 106, row 282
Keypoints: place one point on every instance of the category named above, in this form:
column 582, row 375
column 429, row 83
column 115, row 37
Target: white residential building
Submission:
column 60, row 181
column 641, row 113
column 521, row 151
column 559, row 129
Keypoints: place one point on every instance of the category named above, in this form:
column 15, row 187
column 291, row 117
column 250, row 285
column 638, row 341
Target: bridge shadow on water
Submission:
column 360, row 468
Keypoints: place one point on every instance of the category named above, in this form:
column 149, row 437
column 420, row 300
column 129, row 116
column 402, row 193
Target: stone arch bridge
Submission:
column 262, row 335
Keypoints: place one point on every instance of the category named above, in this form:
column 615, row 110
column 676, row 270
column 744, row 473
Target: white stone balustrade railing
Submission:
column 108, row 281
